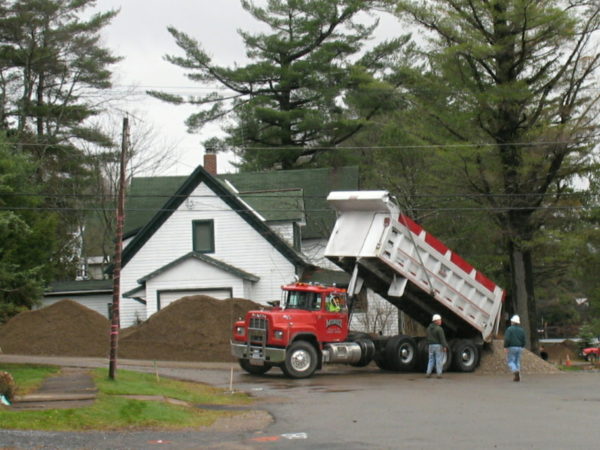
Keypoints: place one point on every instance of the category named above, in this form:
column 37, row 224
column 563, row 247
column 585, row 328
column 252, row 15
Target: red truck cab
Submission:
column 292, row 335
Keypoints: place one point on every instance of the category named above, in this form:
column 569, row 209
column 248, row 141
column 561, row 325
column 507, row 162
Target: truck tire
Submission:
column 300, row 360
column 252, row 369
column 422, row 355
column 367, row 348
column 401, row 352
column 465, row 356
column 382, row 362
column 447, row 360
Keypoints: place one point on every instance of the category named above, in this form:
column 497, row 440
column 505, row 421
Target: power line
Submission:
column 366, row 147
column 262, row 195
column 416, row 209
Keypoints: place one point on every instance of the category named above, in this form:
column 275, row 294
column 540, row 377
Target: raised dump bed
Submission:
column 395, row 257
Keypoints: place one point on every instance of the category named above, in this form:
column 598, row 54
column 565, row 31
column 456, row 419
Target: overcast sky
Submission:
column 139, row 34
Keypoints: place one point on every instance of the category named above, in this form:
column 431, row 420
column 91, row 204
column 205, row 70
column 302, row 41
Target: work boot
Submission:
column 517, row 376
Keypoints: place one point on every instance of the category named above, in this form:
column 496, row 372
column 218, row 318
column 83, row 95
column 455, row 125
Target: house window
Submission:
column 203, row 236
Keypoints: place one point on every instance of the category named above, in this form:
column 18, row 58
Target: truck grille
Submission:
column 258, row 323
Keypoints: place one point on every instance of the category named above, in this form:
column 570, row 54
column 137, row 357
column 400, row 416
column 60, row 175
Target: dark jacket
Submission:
column 435, row 335
column 514, row 336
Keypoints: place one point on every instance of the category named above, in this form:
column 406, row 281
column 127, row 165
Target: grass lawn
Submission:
column 113, row 411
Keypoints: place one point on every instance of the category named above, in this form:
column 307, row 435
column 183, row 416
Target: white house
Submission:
column 228, row 235
column 204, row 240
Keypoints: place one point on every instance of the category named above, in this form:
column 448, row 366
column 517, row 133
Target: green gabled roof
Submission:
column 148, row 194
column 182, row 193
column 316, row 184
column 81, row 287
column 277, row 206
column 207, row 259
column 145, row 197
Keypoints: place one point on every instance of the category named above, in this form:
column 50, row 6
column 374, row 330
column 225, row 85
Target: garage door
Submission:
column 167, row 297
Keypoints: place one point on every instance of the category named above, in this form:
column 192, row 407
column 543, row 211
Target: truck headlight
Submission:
column 278, row 334
column 239, row 331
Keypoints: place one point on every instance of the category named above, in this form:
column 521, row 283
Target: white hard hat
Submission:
column 515, row 319
column 436, row 317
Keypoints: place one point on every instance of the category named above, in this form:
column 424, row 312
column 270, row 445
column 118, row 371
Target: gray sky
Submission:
column 139, row 34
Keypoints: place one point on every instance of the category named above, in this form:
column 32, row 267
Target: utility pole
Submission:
column 120, row 215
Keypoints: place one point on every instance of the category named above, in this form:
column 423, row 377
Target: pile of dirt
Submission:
column 493, row 361
column 65, row 328
column 558, row 352
column 194, row 328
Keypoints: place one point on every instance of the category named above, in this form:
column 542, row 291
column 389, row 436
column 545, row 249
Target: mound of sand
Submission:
column 195, row 328
column 558, row 352
column 493, row 360
column 64, row 328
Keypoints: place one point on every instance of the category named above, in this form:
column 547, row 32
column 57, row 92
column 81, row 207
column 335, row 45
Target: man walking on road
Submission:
column 438, row 346
column 514, row 341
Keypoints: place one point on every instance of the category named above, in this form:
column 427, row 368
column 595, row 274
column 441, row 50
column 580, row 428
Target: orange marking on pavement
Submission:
column 266, row 438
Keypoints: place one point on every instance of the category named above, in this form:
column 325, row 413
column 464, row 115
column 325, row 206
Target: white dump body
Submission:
column 411, row 268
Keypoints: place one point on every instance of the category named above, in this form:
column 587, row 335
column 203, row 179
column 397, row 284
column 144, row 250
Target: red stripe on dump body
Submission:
column 412, row 225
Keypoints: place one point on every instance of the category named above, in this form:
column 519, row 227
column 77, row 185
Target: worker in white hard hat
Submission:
column 514, row 342
column 436, row 339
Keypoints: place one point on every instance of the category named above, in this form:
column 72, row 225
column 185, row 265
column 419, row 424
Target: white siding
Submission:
column 192, row 275
column 99, row 303
column 236, row 243
column 168, row 297
column 381, row 317
column 314, row 250
column 285, row 231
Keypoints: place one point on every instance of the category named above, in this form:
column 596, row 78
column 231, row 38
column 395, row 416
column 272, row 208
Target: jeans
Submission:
column 513, row 358
column 436, row 357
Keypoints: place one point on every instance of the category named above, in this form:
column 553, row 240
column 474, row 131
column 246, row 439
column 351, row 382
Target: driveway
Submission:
column 349, row 408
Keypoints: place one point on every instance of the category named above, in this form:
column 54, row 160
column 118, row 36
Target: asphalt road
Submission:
column 369, row 409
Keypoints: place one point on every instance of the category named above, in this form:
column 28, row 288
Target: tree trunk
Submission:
column 523, row 295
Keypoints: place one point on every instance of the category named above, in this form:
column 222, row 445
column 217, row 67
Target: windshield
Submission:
column 309, row 301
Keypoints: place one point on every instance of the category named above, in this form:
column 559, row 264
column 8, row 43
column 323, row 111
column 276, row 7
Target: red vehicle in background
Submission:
column 591, row 354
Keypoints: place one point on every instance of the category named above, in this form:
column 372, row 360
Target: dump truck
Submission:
column 389, row 253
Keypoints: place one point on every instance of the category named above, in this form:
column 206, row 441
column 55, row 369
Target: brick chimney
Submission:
column 210, row 161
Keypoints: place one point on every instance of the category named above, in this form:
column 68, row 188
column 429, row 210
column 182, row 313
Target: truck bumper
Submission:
column 258, row 353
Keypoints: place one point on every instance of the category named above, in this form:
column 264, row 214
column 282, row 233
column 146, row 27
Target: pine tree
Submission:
column 510, row 92
column 310, row 85
column 52, row 67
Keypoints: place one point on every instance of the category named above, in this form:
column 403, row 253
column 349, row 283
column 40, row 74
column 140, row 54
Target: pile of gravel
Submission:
column 493, row 361
column 65, row 328
column 194, row 328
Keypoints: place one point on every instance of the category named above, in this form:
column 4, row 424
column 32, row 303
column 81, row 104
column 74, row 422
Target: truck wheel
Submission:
column 401, row 352
column 422, row 355
column 252, row 369
column 367, row 348
column 382, row 362
column 465, row 356
column 447, row 360
column 300, row 360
